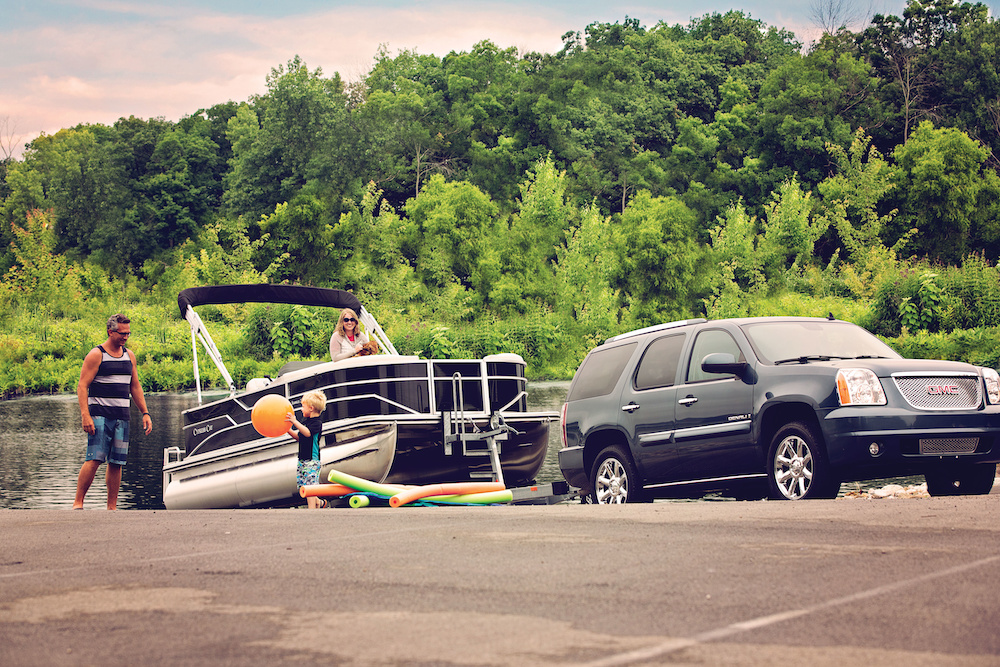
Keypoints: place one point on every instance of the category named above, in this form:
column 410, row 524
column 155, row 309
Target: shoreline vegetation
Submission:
column 536, row 203
column 41, row 353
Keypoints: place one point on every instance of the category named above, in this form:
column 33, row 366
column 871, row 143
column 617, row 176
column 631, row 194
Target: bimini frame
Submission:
column 292, row 294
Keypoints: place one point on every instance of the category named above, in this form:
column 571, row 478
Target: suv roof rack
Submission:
column 656, row 327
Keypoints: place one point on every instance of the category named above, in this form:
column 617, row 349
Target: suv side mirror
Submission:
column 723, row 362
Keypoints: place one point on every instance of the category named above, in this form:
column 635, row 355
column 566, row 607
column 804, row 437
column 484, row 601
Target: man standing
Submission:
column 109, row 376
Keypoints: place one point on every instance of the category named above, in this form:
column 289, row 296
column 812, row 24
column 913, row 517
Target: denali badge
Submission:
column 942, row 389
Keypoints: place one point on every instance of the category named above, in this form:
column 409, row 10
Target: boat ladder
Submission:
column 462, row 430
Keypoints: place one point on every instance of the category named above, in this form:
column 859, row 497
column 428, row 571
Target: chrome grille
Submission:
column 948, row 445
column 940, row 392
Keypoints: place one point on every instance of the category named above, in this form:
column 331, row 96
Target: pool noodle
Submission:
column 390, row 490
column 487, row 498
column 359, row 500
column 321, row 490
column 445, row 489
column 365, row 485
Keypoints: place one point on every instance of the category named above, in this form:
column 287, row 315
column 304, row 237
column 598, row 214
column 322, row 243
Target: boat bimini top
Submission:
column 292, row 294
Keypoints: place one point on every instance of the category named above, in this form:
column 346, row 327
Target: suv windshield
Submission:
column 783, row 342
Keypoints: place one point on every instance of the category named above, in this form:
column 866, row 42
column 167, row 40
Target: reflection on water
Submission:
column 42, row 446
column 549, row 397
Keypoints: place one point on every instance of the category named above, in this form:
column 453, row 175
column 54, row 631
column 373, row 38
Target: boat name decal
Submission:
column 203, row 429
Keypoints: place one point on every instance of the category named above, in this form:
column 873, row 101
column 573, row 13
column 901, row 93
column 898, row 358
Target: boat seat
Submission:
column 293, row 366
column 256, row 384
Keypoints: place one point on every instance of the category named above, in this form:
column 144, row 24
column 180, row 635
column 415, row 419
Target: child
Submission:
column 308, row 432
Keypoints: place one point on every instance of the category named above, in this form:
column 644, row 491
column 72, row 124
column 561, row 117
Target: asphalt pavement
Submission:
column 850, row 581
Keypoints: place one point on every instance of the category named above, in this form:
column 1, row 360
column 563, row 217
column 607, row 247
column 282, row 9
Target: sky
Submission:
column 66, row 62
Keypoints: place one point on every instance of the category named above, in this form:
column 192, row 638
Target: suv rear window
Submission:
column 600, row 372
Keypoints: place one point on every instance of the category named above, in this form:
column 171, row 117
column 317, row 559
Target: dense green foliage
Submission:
column 535, row 203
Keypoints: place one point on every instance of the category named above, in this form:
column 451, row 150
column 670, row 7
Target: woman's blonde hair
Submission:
column 340, row 321
column 315, row 399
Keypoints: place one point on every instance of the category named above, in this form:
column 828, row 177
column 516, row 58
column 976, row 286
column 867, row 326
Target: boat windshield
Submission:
column 814, row 340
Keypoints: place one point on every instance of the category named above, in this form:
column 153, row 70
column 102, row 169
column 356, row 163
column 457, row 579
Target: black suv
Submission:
column 782, row 406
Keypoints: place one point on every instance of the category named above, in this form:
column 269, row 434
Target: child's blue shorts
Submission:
column 307, row 472
column 109, row 442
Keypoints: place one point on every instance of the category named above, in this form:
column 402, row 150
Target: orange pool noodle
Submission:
column 268, row 415
column 446, row 489
column 321, row 490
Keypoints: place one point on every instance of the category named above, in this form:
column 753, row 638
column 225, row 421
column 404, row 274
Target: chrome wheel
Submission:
column 793, row 467
column 611, row 483
column 799, row 468
column 614, row 479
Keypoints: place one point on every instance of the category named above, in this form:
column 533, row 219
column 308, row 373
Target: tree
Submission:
column 832, row 16
column 530, row 245
column 852, row 197
column 941, row 186
column 295, row 134
column 661, row 268
column 907, row 54
column 406, row 103
column 455, row 237
column 808, row 103
column 40, row 277
column 9, row 139
column 584, row 275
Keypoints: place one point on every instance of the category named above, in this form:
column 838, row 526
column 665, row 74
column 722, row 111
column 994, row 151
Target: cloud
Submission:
column 122, row 59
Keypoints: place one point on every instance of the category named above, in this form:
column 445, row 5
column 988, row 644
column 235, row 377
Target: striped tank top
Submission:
column 109, row 392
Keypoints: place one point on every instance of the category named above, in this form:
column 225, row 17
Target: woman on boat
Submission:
column 347, row 340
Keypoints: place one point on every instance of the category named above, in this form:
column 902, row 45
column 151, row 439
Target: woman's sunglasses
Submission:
column 350, row 319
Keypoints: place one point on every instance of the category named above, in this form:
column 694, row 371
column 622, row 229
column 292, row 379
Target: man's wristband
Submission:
column 145, row 414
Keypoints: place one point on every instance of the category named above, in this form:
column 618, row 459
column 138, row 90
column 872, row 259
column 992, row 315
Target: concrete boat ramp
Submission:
column 848, row 581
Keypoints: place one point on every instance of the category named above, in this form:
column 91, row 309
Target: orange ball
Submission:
column 268, row 415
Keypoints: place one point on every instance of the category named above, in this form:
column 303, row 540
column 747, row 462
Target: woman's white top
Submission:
column 341, row 347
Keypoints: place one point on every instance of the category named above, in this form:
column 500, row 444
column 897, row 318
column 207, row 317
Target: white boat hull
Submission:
column 264, row 473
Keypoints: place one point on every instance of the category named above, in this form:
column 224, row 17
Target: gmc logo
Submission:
column 942, row 389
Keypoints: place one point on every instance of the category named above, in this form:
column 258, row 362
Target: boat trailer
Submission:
column 462, row 432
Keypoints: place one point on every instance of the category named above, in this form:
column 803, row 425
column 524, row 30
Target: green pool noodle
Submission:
column 359, row 500
column 389, row 490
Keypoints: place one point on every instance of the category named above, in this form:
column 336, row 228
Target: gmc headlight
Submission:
column 859, row 386
column 992, row 381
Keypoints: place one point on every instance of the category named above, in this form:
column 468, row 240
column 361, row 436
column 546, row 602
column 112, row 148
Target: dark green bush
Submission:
column 937, row 298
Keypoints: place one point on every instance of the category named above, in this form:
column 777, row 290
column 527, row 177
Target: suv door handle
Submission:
column 631, row 407
column 688, row 400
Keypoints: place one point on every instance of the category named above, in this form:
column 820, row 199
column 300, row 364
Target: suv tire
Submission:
column 614, row 478
column 966, row 480
column 797, row 465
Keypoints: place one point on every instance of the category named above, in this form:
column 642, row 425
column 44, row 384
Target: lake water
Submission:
column 42, row 447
